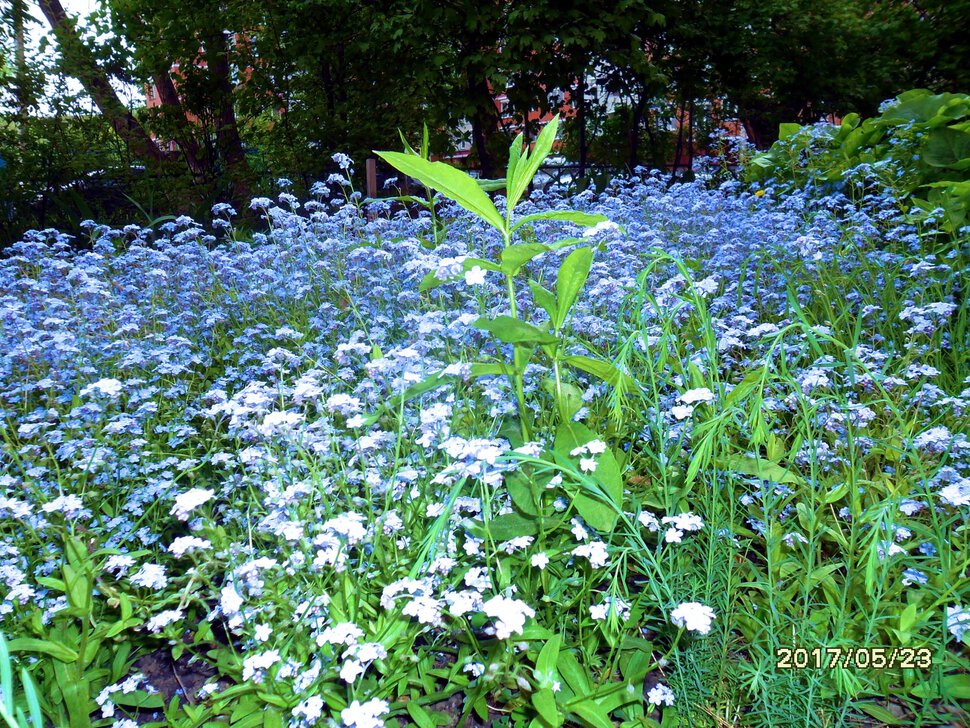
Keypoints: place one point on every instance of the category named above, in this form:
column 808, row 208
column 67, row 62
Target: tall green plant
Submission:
column 547, row 339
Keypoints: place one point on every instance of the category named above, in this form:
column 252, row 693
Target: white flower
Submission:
column 365, row 715
column 701, row 394
column 187, row 544
column 587, row 465
column 310, row 709
column 540, row 560
column 956, row 494
column 475, row 276
column 618, row 607
column 660, row 694
column 109, row 387
column 163, row 619
column 342, row 160
column 957, row 621
column 255, row 667
column 509, row 615
column 426, row 609
column 262, row 632
column 685, row 521
column 118, row 564
column 369, row 651
column 150, row 576
column 673, row 535
column 596, row 447
column 463, row 602
column 188, row 501
column 601, row 227
column 230, row 602
column 693, row 616
column 579, row 531
column 516, row 544
column 344, row 633
column 595, row 551
column 682, row 412
column 351, row 670
column 649, row 521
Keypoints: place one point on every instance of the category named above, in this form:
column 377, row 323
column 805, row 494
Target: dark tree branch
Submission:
column 81, row 63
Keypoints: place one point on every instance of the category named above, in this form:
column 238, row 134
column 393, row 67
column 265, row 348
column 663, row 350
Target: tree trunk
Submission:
column 228, row 141
column 169, row 98
column 478, row 94
column 581, row 122
column 81, row 63
column 680, row 143
column 20, row 55
column 689, row 174
column 636, row 118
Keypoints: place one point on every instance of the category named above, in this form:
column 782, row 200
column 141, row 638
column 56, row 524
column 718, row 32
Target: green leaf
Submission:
column 548, row 655
column 451, row 182
column 956, row 687
column 54, row 649
column 544, row 298
column 491, row 185
column 746, row 386
column 521, row 492
column 604, row 370
column 787, row 131
column 514, row 331
column 592, row 714
column 430, row 282
column 419, row 715
column 572, row 277
column 469, row 263
column 138, row 699
column 407, row 147
column 598, row 512
column 508, row 526
column 573, row 673
column 526, row 167
column 759, row 467
column 544, row 701
column 30, row 695
column 515, row 256
column 946, row 147
column 515, row 154
column 878, row 712
column 579, row 218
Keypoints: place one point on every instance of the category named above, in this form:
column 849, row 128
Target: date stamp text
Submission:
column 861, row 658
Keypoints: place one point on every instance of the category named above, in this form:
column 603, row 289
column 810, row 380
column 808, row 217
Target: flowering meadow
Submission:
column 291, row 478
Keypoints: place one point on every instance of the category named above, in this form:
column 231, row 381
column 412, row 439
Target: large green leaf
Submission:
column 527, row 166
column 574, row 216
column 515, row 256
column 787, row 131
column 449, row 181
column 544, row 298
column 544, row 701
column 55, row 649
column 600, row 512
column 572, row 277
column 947, row 148
column 604, row 370
column 515, row 153
column 514, row 331
column 759, row 467
column 506, row 527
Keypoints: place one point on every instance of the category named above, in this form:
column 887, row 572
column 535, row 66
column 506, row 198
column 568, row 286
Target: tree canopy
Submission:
column 248, row 91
